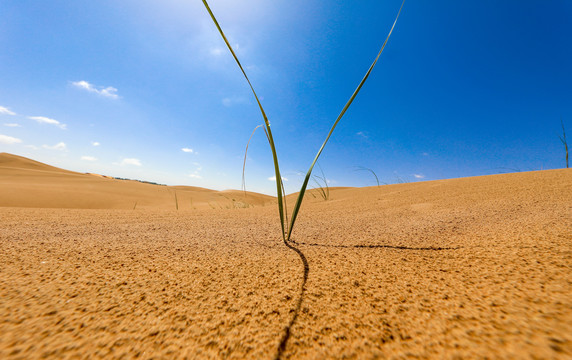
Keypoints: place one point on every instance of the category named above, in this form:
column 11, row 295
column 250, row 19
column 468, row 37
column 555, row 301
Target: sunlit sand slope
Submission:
column 475, row 268
column 28, row 183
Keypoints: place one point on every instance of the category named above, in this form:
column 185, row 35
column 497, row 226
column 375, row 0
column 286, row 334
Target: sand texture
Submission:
column 473, row 268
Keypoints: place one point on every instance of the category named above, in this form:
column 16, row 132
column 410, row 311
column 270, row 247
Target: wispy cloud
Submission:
column 188, row 150
column 9, row 140
column 46, row 120
column 216, row 51
column 95, row 143
column 6, row 111
column 219, row 50
column 59, row 146
column 13, row 125
column 425, row 154
column 362, row 134
column 130, row 161
column 233, row 100
column 109, row 91
column 273, row 178
column 419, row 176
column 88, row 158
column 196, row 174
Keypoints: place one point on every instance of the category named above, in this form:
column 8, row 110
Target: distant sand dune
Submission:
column 28, row 183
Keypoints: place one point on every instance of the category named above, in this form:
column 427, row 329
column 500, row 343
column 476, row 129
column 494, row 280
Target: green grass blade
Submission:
column 564, row 141
column 285, row 209
column 319, row 188
column 327, row 192
column 370, row 170
column 309, row 173
column 279, row 188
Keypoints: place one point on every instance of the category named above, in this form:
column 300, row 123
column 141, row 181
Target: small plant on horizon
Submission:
column 287, row 226
column 509, row 169
column 176, row 200
column 362, row 168
column 564, row 142
column 400, row 180
column 244, row 162
column 323, row 190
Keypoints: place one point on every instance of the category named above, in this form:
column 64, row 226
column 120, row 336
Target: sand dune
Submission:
column 28, row 183
column 474, row 268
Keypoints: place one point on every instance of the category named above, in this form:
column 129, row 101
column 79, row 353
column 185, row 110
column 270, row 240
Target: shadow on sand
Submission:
column 290, row 244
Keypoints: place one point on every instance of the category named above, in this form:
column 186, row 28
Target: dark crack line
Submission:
column 376, row 246
column 287, row 331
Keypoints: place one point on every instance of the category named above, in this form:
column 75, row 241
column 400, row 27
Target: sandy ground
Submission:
column 475, row 268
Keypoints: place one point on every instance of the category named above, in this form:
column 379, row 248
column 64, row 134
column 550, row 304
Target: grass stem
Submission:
column 564, row 142
column 288, row 226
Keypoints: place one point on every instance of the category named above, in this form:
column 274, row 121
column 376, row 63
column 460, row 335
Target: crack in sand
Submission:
column 287, row 331
column 286, row 335
column 377, row 246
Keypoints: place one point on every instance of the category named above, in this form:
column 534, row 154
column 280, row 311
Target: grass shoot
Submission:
column 287, row 226
column 323, row 190
column 564, row 142
column 361, row 168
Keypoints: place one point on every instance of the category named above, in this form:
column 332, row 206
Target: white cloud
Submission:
column 46, row 120
column 6, row 111
column 109, row 91
column 135, row 162
column 9, row 140
column 95, row 143
column 233, row 100
column 59, row 146
column 13, row 125
column 425, row 154
column 419, row 176
column 187, row 150
column 217, row 51
column 362, row 134
column 195, row 173
column 88, row 158
column 273, row 178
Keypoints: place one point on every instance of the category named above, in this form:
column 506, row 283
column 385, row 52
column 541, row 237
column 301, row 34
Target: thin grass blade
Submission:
column 279, row 189
column 244, row 163
column 370, row 170
column 325, row 182
column 285, row 208
column 309, row 173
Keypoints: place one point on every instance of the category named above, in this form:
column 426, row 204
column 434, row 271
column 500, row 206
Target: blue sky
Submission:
column 146, row 89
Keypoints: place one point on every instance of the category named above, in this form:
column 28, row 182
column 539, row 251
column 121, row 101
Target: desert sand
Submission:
column 471, row 268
